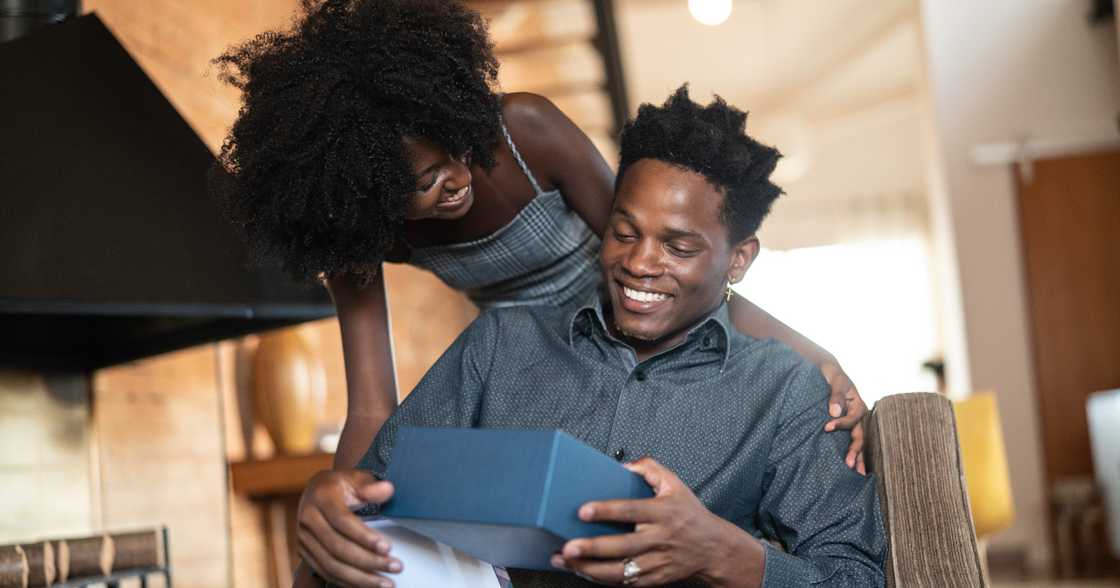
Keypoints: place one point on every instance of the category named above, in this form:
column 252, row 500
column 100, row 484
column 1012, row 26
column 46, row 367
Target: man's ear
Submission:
column 742, row 256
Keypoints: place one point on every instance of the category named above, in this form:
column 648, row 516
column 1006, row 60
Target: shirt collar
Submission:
column 713, row 331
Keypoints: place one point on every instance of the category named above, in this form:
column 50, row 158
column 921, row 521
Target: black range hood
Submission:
column 110, row 247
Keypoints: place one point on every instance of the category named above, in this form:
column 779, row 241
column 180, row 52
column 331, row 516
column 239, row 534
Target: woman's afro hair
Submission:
column 314, row 173
column 711, row 141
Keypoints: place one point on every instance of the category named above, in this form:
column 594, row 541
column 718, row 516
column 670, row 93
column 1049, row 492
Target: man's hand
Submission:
column 333, row 540
column 846, row 409
column 675, row 538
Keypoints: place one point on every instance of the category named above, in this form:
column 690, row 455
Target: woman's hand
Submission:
column 846, row 409
column 333, row 540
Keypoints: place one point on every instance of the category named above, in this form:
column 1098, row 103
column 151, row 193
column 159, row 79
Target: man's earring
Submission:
column 729, row 293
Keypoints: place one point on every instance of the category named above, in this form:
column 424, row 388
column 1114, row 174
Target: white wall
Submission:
column 1004, row 70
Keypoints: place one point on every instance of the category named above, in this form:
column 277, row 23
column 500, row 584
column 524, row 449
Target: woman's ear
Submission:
column 742, row 256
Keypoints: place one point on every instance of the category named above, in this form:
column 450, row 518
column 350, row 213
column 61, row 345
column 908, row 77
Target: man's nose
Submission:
column 643, row 259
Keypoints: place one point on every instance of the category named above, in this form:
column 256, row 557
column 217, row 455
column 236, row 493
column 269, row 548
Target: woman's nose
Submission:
column 459, row 177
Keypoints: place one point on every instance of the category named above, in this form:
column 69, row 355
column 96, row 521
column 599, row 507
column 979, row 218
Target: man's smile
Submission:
column 642, row 300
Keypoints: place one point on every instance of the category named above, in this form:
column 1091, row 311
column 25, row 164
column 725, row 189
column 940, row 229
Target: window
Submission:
column 870, row 303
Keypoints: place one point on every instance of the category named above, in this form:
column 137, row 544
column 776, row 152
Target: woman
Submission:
column 371, row 132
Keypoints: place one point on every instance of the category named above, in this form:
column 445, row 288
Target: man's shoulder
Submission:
column 790, row 378
column 524, row 321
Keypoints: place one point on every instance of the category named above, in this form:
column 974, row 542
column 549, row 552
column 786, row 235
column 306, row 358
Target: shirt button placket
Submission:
column 624, row 416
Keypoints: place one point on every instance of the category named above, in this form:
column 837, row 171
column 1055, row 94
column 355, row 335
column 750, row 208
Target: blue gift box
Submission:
column 508, row 497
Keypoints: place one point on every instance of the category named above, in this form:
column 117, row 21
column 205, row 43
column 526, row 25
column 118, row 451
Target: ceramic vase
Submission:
column 289, row 391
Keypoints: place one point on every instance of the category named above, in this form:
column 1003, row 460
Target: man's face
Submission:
column 665, row 256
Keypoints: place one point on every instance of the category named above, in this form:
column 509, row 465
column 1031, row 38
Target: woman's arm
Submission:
column 371, row 384
column 759, row 324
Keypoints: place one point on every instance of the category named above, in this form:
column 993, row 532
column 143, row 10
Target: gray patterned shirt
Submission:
column 739, row 420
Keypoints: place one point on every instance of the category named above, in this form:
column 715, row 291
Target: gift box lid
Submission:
column 509, row 497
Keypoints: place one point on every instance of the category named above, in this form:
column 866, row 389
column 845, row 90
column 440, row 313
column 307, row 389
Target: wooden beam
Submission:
column 608, row 44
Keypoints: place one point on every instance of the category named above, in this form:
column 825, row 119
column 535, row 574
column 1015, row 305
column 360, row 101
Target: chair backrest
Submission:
column 913, row 451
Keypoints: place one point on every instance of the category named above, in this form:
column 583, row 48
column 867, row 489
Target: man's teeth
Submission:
column 643, row 296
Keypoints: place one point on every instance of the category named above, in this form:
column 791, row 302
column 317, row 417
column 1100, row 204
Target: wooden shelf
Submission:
column 279, row 476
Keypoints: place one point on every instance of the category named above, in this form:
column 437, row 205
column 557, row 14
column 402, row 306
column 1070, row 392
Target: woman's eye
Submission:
column 428, row 185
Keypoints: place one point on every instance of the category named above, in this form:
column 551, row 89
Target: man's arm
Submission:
column 449, row 395
column 826, row 516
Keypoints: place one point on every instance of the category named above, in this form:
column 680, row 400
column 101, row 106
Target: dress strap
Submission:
column 521, row 161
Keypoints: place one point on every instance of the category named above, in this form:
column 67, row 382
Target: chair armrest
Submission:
column 913, row 451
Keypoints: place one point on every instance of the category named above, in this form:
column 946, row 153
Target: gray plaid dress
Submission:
column 546, row 255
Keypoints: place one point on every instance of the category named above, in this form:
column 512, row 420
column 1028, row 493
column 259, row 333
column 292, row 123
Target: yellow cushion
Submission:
column 985, row 462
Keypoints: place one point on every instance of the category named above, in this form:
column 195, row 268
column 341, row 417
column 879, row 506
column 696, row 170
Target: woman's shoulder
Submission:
column 551, row 143
column 526, row 109
column 536, row 124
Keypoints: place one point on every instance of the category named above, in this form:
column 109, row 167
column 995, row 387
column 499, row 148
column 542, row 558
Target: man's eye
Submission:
column 624, row 237
column 682, row 251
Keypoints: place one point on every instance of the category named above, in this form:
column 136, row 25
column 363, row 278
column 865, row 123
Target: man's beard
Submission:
column 634, row 336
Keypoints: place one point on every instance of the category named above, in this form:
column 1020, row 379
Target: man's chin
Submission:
column 638, row 332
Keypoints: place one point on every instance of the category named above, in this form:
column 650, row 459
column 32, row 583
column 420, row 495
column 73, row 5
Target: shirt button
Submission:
column 640, row 375
column 619, row 454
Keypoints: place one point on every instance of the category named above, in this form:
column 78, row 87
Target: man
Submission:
column 728, row 429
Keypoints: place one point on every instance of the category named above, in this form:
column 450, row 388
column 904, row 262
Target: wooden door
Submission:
column 1070, row 218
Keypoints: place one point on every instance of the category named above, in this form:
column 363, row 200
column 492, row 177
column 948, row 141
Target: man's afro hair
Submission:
column 313, row 173
column 711, row 141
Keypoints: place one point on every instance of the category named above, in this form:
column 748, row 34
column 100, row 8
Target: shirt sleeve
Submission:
column 825, row 514
column 449, row 395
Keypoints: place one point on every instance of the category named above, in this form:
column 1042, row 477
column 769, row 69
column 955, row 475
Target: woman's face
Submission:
column 443, row 189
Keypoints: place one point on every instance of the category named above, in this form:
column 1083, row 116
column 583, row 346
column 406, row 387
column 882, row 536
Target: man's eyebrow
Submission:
column 682, row 234
column 669, row 233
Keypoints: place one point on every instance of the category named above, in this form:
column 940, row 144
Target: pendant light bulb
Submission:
column 710, row 12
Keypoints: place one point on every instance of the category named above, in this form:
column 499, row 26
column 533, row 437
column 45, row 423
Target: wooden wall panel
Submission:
column 1070, row 219
column 162, row 457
